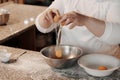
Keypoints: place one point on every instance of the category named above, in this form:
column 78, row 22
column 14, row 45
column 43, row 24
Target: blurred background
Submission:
column 42, row 40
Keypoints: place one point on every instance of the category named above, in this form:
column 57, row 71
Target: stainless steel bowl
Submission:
column 70, row 54
column 4, row 16
column 4, row 19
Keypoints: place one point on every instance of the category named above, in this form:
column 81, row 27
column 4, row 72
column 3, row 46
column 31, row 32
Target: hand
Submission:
column 47, row 18
column 73, row 18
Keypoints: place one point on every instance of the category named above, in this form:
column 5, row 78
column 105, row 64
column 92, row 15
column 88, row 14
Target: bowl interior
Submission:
column 93, row 61
column 68, row 52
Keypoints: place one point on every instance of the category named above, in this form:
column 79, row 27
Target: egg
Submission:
column 57, row 18
column 102, row 68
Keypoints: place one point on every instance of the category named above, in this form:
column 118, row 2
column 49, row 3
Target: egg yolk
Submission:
column 58, row 53
column 102, row 68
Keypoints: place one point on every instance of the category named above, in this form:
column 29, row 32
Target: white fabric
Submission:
column 107, row 10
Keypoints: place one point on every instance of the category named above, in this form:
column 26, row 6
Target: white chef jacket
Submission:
column 107, row 10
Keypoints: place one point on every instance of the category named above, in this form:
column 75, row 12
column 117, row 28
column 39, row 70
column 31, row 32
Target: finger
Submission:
column 46, row 21
column 68, row 21
column 72, row 25
column 50, row 14
column 46, row 18
column 63, row 19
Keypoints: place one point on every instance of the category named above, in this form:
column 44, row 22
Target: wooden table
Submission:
column 15, row 26
column 31, row 66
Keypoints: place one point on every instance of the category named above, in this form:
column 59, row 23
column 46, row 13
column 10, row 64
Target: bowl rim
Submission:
column 61, row 58
column 87, row 68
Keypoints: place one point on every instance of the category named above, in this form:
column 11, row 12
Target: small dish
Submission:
column 91, row 63
column 4, row 56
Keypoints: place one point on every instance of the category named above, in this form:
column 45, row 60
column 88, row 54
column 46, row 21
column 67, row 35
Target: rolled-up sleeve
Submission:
column 112, row 30
column 58, row 4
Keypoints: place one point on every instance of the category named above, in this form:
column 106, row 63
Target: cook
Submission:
column 93, row 25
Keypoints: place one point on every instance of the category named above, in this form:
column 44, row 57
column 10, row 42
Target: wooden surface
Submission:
column 15, row 26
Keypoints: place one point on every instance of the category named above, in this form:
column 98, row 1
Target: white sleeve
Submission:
column 112, row 29
column 58, row 4
column 42, row 29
